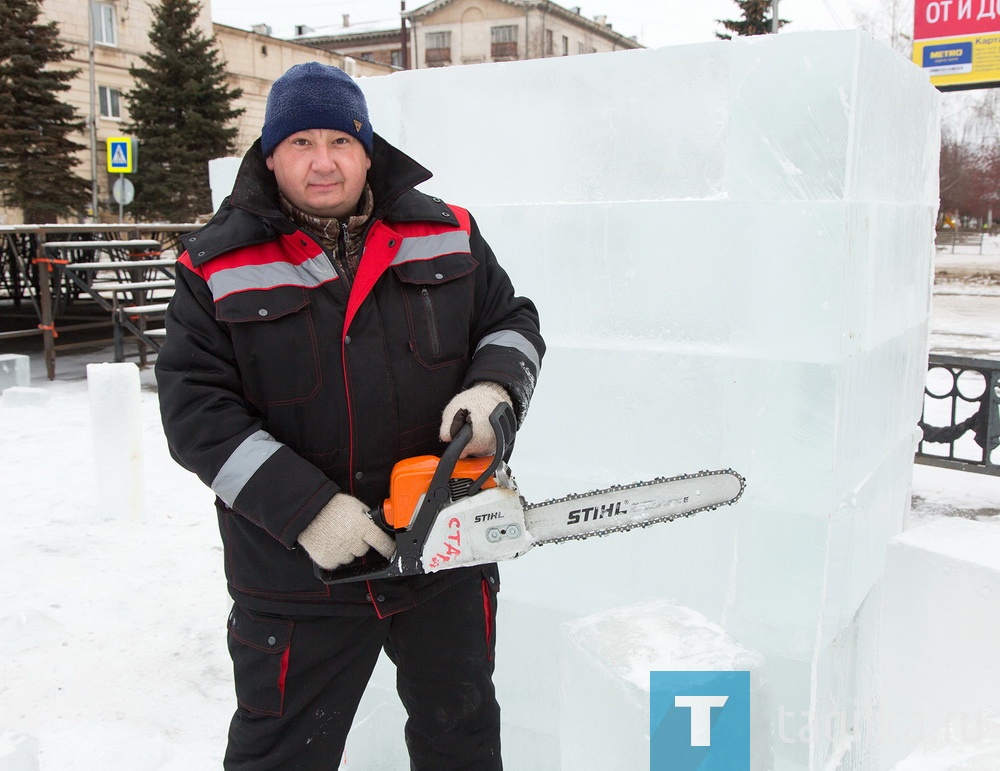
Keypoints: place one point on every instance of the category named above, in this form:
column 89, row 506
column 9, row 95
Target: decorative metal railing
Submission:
column 961, row 419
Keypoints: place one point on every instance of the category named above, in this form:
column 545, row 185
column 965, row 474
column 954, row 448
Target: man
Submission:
column 328, row 322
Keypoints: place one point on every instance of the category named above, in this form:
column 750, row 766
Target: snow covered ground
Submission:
column 113, row 632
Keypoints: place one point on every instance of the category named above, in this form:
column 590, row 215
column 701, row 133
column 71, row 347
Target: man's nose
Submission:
column 324, row 159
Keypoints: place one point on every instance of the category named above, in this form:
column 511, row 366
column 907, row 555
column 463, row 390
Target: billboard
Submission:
column 958, row 42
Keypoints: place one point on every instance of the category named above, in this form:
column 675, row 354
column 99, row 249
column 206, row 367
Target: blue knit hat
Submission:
column 315, row 96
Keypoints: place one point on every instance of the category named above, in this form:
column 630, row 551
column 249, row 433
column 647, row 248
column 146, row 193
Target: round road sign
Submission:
column 123, row 191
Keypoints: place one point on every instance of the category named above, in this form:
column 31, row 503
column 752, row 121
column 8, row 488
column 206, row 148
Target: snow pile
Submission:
column 114, row 630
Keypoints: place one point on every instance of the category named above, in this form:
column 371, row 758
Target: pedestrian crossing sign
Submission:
column 121, row 158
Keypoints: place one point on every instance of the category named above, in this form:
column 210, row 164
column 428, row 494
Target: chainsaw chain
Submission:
column 634, row 486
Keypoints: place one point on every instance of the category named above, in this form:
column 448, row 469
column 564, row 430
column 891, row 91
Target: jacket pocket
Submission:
column 260, row 648
column 274, row 339
column 438, row 297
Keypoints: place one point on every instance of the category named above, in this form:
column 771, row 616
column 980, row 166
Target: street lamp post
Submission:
column 404, row 54
column 92, row 118
column 774, row 16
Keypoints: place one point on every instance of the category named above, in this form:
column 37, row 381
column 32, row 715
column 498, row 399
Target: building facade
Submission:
column 105, row 52
column 449, row 32
column 108, row 37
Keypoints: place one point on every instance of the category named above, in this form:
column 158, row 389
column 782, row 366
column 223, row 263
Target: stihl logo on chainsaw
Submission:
column 590, row 513
column 488, row 517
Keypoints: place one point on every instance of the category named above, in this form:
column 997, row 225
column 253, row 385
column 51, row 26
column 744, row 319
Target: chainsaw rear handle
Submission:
column 504, row 429
column 410, row 542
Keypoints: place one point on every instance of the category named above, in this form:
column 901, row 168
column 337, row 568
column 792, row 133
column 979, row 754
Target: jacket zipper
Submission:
column 431, row 321
column 344, row 261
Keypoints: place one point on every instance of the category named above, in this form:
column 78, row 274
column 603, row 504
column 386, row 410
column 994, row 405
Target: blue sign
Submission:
column 950, row 55
column 699, row 721
column 121, row 158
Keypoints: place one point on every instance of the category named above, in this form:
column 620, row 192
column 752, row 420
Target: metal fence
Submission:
column 961, row 418
column 971, row 238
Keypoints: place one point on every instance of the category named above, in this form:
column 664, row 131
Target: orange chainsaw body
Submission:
column 411, row 478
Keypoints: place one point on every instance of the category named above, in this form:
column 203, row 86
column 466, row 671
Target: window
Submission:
column 368, row 57
column 507, row 34
column 438, row 40
column 105, row 22
column 110, row 99
column 565, row 50
column 438, row 51
column 397, row 58
column 549, row 44
column 503, row 42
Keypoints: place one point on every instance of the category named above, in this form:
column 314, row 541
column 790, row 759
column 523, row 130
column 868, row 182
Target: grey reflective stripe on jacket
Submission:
column 428, row 247
column 308, row 274
column 511, row 339
column 243, row 464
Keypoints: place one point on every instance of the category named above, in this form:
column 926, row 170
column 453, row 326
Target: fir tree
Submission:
column 756, row 19
column 36, row 155
column 180, row 110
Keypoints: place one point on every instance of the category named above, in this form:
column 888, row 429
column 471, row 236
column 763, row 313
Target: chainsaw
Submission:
column 451, row 512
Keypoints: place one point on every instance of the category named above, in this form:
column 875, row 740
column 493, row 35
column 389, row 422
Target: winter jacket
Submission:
column 282, row 382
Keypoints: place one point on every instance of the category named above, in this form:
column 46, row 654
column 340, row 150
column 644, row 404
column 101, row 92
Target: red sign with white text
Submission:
column 955, row 18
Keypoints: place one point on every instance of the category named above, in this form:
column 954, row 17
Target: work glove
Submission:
column 474, row 405
column 343, row 530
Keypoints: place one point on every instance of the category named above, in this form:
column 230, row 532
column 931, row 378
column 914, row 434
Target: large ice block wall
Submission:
column 730, row 247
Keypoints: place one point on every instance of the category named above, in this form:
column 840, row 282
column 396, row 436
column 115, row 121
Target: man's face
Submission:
column 321, row 171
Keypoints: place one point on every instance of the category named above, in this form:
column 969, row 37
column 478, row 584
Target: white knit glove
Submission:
column 343, row 530
column 475, row 404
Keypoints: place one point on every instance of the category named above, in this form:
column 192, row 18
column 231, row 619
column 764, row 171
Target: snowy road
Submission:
column 966, row 321
column 965, row 311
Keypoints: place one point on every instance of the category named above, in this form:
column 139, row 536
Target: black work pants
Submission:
column 299, row 682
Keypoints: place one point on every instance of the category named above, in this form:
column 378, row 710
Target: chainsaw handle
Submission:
column 504, row 425
column 410, row 543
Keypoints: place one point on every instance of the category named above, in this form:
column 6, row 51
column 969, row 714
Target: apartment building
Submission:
column 450, row 32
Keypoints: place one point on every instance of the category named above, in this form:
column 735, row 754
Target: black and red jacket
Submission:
column 282, row 383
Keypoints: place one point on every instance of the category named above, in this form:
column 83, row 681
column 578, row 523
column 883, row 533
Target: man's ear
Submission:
column 269, row 160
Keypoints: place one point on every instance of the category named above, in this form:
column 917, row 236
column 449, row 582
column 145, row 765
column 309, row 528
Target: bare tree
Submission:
column 892, row 23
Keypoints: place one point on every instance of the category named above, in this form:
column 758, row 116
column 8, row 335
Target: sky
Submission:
column 654, row 22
